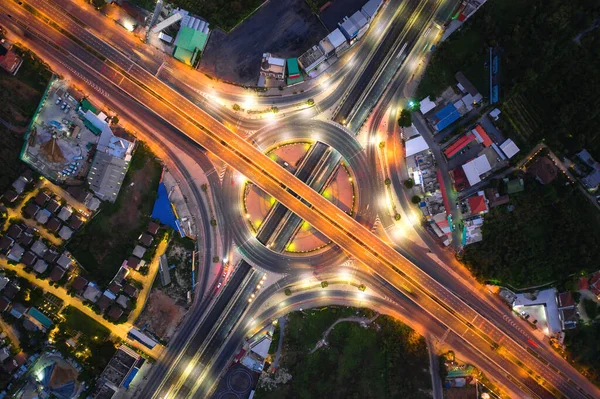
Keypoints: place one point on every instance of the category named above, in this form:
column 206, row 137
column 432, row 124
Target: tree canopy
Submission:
column 548, row 58
column 552, row 232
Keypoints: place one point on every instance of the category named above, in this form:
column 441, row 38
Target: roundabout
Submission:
column 275, row 239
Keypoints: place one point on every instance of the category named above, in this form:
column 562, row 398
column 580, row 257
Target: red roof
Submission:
column 595, row 283
column 462, row 17
column 458, row 145
column 566, row 299
column 487, row 141
column 443, row 190
column 583, row 283
column 477, row 204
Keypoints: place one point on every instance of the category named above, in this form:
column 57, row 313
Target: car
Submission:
column 78, row 158
column 219, row 285
column 58, row 101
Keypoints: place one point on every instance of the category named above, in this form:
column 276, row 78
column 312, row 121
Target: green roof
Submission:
column 290, row 81
column 92, row 128
column 184, row 55
column 188, row 43
column 515, row 186
column 87, row 106
column 292, row 66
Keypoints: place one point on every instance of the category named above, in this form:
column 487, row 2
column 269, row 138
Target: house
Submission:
column 17, row 310
column 6, row 243
column 543, row 169
column 75, row 222
column 123, row 301
column 191, row 39
column 114, row 287
column 79, row 284
column 65, row 213
column 53, row 206
column 272, row 67
column 30, row 210
column 130, row 290
column 568, row 310
column 28, row 259
column 153, row 228
column 594, row 284
column 51, row 256
column 15, row 253
column 65, row 233
column 477, row 204
column 42, row 216
column 476, row 169
column 9, row 60
column 133, row 262
column 79, row 193
column 41, row 198
column 57, row 274
column 114, row 313
column 64, row 261
column 39, row 248
column 139, row 251
column 40, row 266
column 146, row 240
column 104, row 302
column 27, row 237
column 3, row 282
column 10, row 196
column 91, row 293
column 494, row 198
column 4, row 304
column 11, row 365
column 11, row 290
column 14, row 231
column 53, row 225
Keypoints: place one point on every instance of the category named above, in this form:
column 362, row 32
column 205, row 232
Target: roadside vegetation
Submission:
column 108, row 239
column 548, row 68
column 19, row 95
column 552, row 232
column 225, row 14
column 385, row 359
column 583, row 347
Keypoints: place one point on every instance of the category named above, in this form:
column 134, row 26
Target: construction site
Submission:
column 58, row 142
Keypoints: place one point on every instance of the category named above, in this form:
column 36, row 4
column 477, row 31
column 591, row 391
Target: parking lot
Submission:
column 59, row 143
column 284, row 28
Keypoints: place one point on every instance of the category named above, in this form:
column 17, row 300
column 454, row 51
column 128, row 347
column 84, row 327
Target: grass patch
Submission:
column 385, row 360
column 75, row 320
column 10, row 164
column 103, row 244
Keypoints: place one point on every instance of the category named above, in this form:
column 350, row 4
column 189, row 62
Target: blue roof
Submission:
column 130, row 377
column 446, row 116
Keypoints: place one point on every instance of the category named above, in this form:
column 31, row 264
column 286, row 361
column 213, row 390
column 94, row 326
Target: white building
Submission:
column 476, row 168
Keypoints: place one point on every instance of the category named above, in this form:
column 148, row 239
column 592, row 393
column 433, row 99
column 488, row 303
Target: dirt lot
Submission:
column 285, row 28
column 110, row 237
column 162, row 314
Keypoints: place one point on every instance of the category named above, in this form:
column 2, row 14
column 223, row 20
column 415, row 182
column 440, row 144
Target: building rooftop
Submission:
column 477, row 204
column 40, row 266
column 475, row 168
column 79, row 284
column 41, row 198
column 416, row 145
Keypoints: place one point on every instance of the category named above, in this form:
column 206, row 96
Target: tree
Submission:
column 415, row 199
column 236, row 107
column 405, row 119
column 213, row 222
column 409, row 183
column 310, row 102
column 591, row 308
column 388, row 181
column 324, row 284
column 275, row 109
column 288, row 292
column 397, row 217
column 204, row 187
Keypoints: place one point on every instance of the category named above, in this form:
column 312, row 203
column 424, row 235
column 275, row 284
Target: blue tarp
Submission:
column 446, row 116
column 163, row 210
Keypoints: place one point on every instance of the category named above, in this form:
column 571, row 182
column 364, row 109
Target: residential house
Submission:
column 41, row 198
column 14, row 231
column 567, row 308
column 130, row 290
column 4, row 304
column 146, row 240
column 104, row 302
column 42, row 216
column 11, row 290
column 79, row 284
column 53, row 206
column 139, row 251
column 57, row 274
column 114, row 313
column 15, row 253
column 153, row 228
column 39, row 248
column 65, row 233
column 6, row 243
column 91, row 293
column 64, row 261
column 53, row 225
column 18, row 310
column 28, row 259
column 65, row 213
column 40, row 266
column 30, row 210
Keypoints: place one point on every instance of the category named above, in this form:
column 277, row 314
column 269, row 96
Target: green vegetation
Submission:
column 548, row 70
column 315, row 5
column 108, row 239
column 225, row 14
column 20, row 96
column 415, row 199
column 405, row 119
column 409, row 183
column 553, row 232
column 78, row 321
column 89, row 343
column 386, row 359
column 591, row 308
column 583, row 347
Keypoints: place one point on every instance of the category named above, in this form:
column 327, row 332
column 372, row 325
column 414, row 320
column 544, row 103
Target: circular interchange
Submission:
column 338, row 188
column 354, row 156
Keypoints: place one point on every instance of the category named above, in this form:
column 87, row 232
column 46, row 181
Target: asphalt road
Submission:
column 433, row 297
